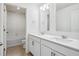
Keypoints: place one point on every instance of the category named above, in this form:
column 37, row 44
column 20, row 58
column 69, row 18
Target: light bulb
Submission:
column 18, row 8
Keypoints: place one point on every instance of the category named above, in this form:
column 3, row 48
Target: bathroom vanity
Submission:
column 49, row 45
column 62, row 21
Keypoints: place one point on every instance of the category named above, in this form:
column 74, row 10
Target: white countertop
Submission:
column 74, row 43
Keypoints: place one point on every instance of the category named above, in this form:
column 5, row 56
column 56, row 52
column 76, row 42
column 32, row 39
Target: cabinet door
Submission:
column 36, row 48
column 31, row 46
column 58, row 54
column 45, row 51
column 55, row 53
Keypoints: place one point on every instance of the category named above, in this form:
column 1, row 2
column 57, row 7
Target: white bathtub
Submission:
column 13, row 41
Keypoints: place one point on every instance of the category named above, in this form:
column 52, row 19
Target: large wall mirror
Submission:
column 62, row 17
column 67, row 17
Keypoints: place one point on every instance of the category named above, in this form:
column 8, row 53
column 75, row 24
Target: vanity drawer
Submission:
column 62, row 49
column 34, row 38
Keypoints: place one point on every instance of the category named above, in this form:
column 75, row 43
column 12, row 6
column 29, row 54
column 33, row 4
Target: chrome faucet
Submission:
column 64, row 37
column 42, row 33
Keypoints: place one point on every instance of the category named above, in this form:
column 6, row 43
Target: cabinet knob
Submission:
column 52, row 54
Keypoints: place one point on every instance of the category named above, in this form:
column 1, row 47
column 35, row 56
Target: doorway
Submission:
column 16, row 30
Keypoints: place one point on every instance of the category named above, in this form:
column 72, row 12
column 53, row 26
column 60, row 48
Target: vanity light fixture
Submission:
column 44, row 7
column 47, row 7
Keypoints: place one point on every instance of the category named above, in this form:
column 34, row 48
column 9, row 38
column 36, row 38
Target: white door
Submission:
column 1, row 29
column 4, row 27
column 45, row 51
column 36, row 48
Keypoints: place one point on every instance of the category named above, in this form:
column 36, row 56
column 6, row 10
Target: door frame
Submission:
column 26, row 34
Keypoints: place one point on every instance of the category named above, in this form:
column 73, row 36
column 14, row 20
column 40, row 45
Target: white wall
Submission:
column 32, row 17
column 16, row 24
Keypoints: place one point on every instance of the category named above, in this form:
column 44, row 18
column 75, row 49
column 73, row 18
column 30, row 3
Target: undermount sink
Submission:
column 64, row 40
column 51, row 36
column 59, row 38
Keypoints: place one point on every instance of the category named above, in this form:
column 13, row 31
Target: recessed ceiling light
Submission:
column 18, row 8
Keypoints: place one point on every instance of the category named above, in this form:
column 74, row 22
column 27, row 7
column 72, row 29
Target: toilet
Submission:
column 23, row 42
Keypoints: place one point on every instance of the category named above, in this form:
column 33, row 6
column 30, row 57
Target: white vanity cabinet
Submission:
column 57, row 53
column 34, row 45
column 36, row 48
column 48, row 51
column 60, row 49
column 45, row 51
column 39, row 46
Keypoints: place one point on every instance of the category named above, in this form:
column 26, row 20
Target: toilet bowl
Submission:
column 23, row 42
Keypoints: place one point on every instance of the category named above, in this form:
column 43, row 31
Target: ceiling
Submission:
column 12, row 8
column 22, row 10
column 59, row 5
column 63, row 5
